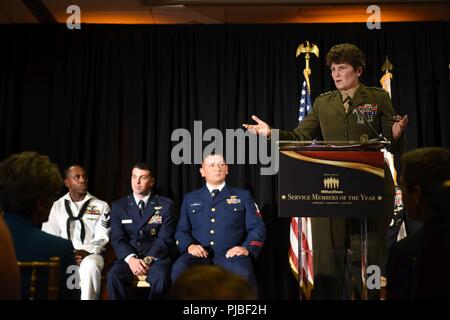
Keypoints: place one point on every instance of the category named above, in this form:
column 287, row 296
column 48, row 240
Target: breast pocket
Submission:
column 235, row 208
column 90, row 220
column 196, row 215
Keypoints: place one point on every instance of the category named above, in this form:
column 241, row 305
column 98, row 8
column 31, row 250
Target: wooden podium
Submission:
column 332, row 179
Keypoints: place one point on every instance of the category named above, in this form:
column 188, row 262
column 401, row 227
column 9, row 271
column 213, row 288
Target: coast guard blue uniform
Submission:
column 230, row 218
column 149, row 235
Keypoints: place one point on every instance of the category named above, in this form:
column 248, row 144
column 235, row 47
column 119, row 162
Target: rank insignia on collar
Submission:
column 157, row 208
column 233, row 200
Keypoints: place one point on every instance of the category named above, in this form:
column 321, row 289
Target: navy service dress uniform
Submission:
column 149, row 235
column 231, row 218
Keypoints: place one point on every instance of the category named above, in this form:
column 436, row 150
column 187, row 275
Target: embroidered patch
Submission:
column 233, row 200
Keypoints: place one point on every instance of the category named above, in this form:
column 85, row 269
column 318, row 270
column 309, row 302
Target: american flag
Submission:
column 307, row 278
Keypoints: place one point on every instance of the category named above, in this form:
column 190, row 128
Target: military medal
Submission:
column 233, row 200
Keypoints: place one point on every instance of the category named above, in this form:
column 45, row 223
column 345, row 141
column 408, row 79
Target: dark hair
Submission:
column 211, row 282
column 66, row 170
column 24, row 179
column 143, row 166
column 427, row 168
column 346, row 53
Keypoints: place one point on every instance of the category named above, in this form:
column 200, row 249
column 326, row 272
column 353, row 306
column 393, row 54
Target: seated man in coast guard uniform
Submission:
column 142, row 229
column 219, row 225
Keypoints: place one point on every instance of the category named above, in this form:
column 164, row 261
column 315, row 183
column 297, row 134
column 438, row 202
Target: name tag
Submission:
column 127, row 221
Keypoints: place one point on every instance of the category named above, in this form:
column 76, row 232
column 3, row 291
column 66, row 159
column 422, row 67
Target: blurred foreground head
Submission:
column 211, row 282
column 29, row 183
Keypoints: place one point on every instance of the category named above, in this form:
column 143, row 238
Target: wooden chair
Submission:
column 52, row 266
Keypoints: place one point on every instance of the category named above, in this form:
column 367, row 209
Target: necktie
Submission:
column 141, row 206
column 215, row 192
column 77, row 218
column 346, row 102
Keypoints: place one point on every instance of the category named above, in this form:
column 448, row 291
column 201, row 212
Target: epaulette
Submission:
column 326, row 93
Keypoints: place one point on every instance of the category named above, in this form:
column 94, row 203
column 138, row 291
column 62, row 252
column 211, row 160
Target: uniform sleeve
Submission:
column 183, row 230
column 387, row 112
column 164, row 241
column 52, row 226
column 120, row 239
column 254, row 223
column 101, row 233
column 308, row 129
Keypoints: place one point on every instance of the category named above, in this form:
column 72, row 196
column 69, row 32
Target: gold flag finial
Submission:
column 387, row 65
column 385, row 80
column 307, row 48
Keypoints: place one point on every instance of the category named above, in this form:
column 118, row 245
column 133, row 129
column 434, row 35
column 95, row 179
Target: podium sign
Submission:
column 330, row 183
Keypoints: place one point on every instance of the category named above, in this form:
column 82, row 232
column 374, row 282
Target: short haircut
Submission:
column 427, row 168
column 143, row 166
column 24, row 179
column 346, row 53
column 213, row 154
column 66, row 170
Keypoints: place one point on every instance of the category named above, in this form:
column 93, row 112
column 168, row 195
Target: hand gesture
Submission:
column 260, row 127
column 399, row 126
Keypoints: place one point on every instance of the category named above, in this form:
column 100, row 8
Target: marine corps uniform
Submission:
column 229, row 219
column 149, row 235
column 329, row 121
column 87, row 224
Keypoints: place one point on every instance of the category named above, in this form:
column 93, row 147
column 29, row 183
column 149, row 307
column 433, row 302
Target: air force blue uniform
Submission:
column 229, row 219
column 149, row 235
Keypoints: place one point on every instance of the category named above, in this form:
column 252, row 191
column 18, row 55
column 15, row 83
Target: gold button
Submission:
column 193, row 210
column 178, row 242
column 211, row 243
column 213, row 209
column 213, row 220
column 211, row 231
column 235, row 209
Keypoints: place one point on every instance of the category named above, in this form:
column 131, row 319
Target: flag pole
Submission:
column 304, row 222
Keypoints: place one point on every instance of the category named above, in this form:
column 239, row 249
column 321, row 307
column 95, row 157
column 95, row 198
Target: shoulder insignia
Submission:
column 326, row 93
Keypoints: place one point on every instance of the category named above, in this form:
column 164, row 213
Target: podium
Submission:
column 333, row 179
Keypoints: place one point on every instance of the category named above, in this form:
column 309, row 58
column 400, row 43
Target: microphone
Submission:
column 365, row 138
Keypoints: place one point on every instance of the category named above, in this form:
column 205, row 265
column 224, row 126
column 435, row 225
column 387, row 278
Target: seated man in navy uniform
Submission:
column 142, row 227
column 219, row 225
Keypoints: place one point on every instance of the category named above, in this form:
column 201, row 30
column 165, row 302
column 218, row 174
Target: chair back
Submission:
column 37, row 268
